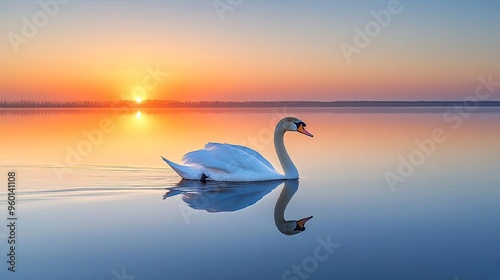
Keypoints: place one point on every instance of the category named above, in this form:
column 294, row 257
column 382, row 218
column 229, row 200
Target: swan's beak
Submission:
column 302, row 130
column 302, row 222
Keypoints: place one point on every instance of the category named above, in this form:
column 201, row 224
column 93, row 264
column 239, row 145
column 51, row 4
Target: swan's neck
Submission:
column 286, row 195
column 289, row 168
column 289, row 189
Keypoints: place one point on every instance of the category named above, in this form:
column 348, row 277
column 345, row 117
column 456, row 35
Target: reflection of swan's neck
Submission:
column 284, row 226
column 286, row 162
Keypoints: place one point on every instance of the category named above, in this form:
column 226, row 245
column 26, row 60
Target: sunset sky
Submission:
column 257, row 50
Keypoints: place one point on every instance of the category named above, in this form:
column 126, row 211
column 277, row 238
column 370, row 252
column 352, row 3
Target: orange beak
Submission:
column 302, row 222
column 302, row 130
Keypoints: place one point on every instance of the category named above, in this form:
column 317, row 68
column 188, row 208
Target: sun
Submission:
column 138, row 100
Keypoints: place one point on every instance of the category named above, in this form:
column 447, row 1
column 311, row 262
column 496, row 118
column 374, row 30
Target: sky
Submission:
column 247, row 49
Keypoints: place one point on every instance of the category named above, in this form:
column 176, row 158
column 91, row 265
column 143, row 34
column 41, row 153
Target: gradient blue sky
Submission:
column 262, row 50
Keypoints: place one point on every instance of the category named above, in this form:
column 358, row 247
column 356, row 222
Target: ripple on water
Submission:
column 90, row 181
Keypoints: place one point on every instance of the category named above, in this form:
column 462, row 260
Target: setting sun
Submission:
column 138, row 99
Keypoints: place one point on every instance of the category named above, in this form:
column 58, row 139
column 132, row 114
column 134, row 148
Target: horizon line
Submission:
column 156, row 103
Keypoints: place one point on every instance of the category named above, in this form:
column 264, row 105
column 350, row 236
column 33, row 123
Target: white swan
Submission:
column 227, row 162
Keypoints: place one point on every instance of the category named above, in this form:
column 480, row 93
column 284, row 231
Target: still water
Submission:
column 95, row 200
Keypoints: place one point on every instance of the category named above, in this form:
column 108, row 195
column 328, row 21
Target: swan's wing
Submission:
column 228, row 200
column 247, row 150
column 222, row 196
column 228, row 158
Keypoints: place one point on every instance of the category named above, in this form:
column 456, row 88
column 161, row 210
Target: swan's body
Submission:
column 216, row 197
column 227, row 162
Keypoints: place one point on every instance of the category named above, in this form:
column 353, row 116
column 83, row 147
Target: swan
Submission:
column 235, row 163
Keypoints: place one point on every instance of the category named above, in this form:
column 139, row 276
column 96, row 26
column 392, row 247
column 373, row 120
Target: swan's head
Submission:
column 294, row 124
column 302, row 223
column 294, row 227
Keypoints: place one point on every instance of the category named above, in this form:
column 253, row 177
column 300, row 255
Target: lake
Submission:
column 394, row 194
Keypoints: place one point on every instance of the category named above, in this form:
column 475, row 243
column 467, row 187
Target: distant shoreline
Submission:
column 244, row 104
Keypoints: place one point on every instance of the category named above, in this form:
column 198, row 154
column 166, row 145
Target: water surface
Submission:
column 95, row 200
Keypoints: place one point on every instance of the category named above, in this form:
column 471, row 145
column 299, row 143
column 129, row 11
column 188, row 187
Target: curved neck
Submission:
column 289, row 168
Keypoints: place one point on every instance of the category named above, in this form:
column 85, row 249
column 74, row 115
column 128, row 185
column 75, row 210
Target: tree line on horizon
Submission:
column 222, row 104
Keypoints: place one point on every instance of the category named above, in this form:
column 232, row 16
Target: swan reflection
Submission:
column 216, row 197
column 290, row 227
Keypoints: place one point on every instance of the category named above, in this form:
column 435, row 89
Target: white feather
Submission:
column 225, row 162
